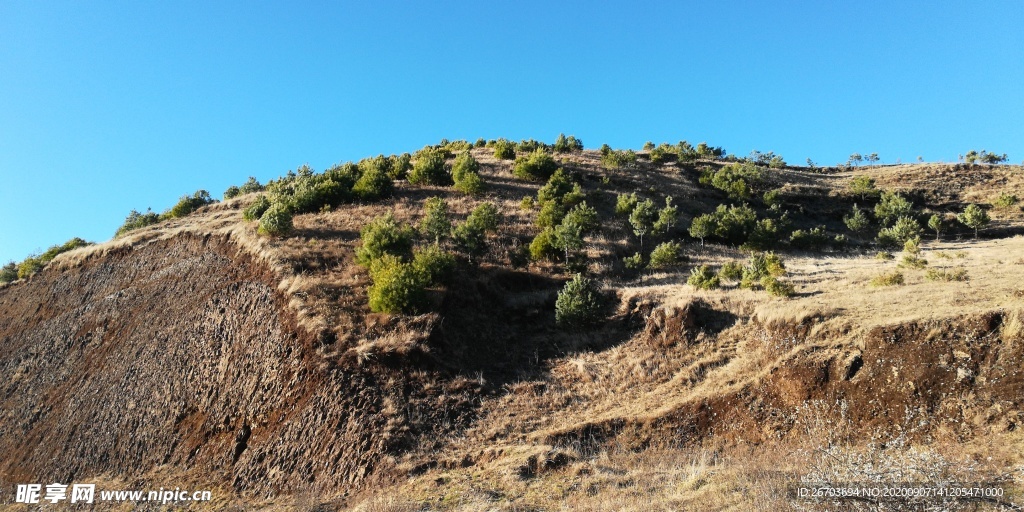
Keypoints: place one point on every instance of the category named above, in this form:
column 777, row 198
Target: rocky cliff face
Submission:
column 180, row 354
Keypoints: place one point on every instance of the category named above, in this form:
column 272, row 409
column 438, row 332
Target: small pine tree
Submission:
column 667, row 218
column 435, row 224
column 702, row 227
column 397, row 287
column 666, row 255
column 578, row 304
column 702, row 278
column 974, row 217
column 857, row 221
column 642, row 219
column 384, row 235
column 276, row 221
column 935, row 223
column 891, row 208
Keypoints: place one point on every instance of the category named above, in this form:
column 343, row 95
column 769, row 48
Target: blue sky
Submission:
column 109, row 106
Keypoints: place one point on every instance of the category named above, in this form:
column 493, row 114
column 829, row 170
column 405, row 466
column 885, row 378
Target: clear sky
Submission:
column 109, row 106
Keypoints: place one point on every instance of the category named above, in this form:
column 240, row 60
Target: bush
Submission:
column 8, row 272
column 251, row 185
column 957, row 274
column 578, row 304
column 373, row 184
column 136, row 220
column 912, row 254
column 815, row 239
column 231, row 192
column 504, row 149
column 736, row 179
column 543, row 246
column 891, row 208
column 566, row 144
column 464, row 165
column 485, row 218
column 189, row 204
column 772, row 197
column 429, row 169
column 255, row 209
column 558, row 186
column 666, row 255
column 29, row 266
column 761, row 265
column 1005, row 200
column 384, row 235
column 625, row 203
column 890, row 279
column 551, row 214
column 857, row 221
column 315, row 193
column 634, row 262
column 863, row 186
column 905, row 229
column 276, row 221
column 642, row 219
column 731, row 271
column 766, row 235
column 538, row 166
column 435, row 224
column 613, row 159
column 433, row 264
column 583, row 216
column 884, row 255
column 397, row 287
column 527, row 203
column 471, row 185
column 702, row 278
column 778, row 288
column 732, row 224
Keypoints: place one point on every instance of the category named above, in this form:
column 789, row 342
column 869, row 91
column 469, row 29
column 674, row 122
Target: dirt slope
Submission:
column 194, row 351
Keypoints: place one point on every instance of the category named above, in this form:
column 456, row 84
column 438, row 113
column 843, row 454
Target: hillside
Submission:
column 196, row 352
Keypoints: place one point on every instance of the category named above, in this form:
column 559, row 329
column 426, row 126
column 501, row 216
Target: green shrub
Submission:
column 189, row 204
column 531, row 145
column 894, row 278
column 384, row 235
column 702, row 278
column 557, row 187
column 136, row 220
column 231, row 192
column 433, row 264
column 891, row 208
column 936, row 224
column 731, row 271
column 537, row 166
column 761, row 265
column 470, row 184
column 625, row 203
column 276, row 221
column 504, row 149
column 485, row 218
column 912, row 254
column 543, row 246
column 857, row 221
column 435, row 223
column 863, row 186
column 732, row 224
column 613, row 159
column 778, row 288
column 8, row 272
column 905, row 229
column 429, row 169
column 584, row 216
column 481, row 142
column 579, row 303
column 464, row 165
column 772, row 197
column 884, row 255
column 251, row 185
column 634, row 262
column 735, row 179
column 666, row 255
column 815, row 239
column 766, row 235
column 566, row 144
column 397, row 287
column 313, row 194
column 527, row 203
column 551, row 214
column 373, row 184
column 1005, row 200
column 29, row 266
column 255, row 209
column 957, row 274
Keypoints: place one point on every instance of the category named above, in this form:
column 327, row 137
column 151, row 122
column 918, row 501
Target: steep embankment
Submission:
column 181, row 353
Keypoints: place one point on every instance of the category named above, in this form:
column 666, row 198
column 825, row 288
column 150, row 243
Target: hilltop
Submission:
column 357, row 343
